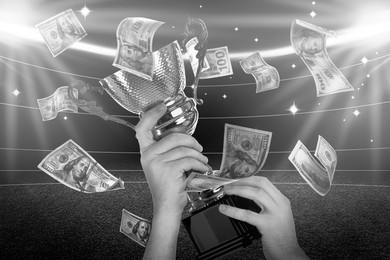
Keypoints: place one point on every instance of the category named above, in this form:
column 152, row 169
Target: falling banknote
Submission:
column 245, row 151
column 60, row 32
column 318, row 175
column 136, row 228
column 134, row 50
column 266, row 76
column 309, row 42
column 57, row 102
column 75, row 168
column 219, row 63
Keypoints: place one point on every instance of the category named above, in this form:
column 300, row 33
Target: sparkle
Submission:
column 344, row 120
column 293, row 66
column 205, row 94
column 371, row 140
column 224, row 96
column 362, row 84
column 85, row 11
column 200, row 6
column 293, row 109
column 368, row 75
column 353, row 97
column 173, row 27
column 376, row 53
column 358, row 88
column 16, row 92
column 364, row 60
column 236, row 29
column 313, row 14
column 256, row 39
column 356, row 112
column 319, row 104
column 65, row 117
column 313, row 3
column 231, row 77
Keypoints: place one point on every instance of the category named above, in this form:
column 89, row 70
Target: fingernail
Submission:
column 222, row 208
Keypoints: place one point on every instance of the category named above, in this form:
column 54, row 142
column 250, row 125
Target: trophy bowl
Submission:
column 137, row 95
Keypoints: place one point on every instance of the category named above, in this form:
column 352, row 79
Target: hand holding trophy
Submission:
column 140, row 95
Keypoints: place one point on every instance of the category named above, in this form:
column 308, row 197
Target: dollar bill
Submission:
column 309, row 42
column 266, row 76
column 192, row 52
column 136, row 228
column 75, row 168
column 61, row 31
column 219, row 63
column 134, row 50
column 57, row 102
column 245, row 151
column 197, row 182
column 327, row 156
column 319, row 175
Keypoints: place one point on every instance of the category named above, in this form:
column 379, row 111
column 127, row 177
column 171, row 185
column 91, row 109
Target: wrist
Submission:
column 165, row 214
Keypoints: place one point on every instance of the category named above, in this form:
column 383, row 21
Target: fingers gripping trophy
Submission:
column 138, row 94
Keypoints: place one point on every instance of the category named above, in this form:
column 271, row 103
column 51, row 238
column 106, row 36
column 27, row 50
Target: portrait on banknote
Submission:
column 239, row 165
column 244, row 151
column 267, row 78
column 134, row 59
column 57, row 102
column 136, row 228
column 75, row 172
column 47, row 108
column 61, row 31
column 309, row 42
column 134, row 46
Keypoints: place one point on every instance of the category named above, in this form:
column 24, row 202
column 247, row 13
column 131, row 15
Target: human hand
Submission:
column 275, row 221
column 165, row 162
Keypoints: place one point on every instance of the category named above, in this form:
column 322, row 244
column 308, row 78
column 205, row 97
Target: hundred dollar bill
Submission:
column 57, row 102
column 134, row 50
column 245, row 151
column 192, row 52
column 219, row 62
column 318, row 176
column 327, row 156
column 136, row 228
column 75, row 168
column 197, row 182
column 309, row 42
column 266, row 76
column 60, row 32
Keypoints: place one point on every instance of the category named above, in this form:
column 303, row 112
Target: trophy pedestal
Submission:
column 214, row 234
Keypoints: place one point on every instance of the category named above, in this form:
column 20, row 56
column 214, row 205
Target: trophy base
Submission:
column 214, row 234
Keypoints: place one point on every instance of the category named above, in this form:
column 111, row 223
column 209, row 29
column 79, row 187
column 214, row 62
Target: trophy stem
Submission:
column 181, row 112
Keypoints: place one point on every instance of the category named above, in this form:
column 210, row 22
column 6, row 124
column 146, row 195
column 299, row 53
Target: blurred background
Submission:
column 355, row 123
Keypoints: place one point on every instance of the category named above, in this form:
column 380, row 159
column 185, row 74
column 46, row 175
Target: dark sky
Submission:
column 269, row 21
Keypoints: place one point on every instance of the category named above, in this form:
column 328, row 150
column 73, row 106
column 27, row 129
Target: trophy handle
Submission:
column 202, row 35
column 90, row 106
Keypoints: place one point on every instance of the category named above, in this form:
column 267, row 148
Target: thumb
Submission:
column 147, row 122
